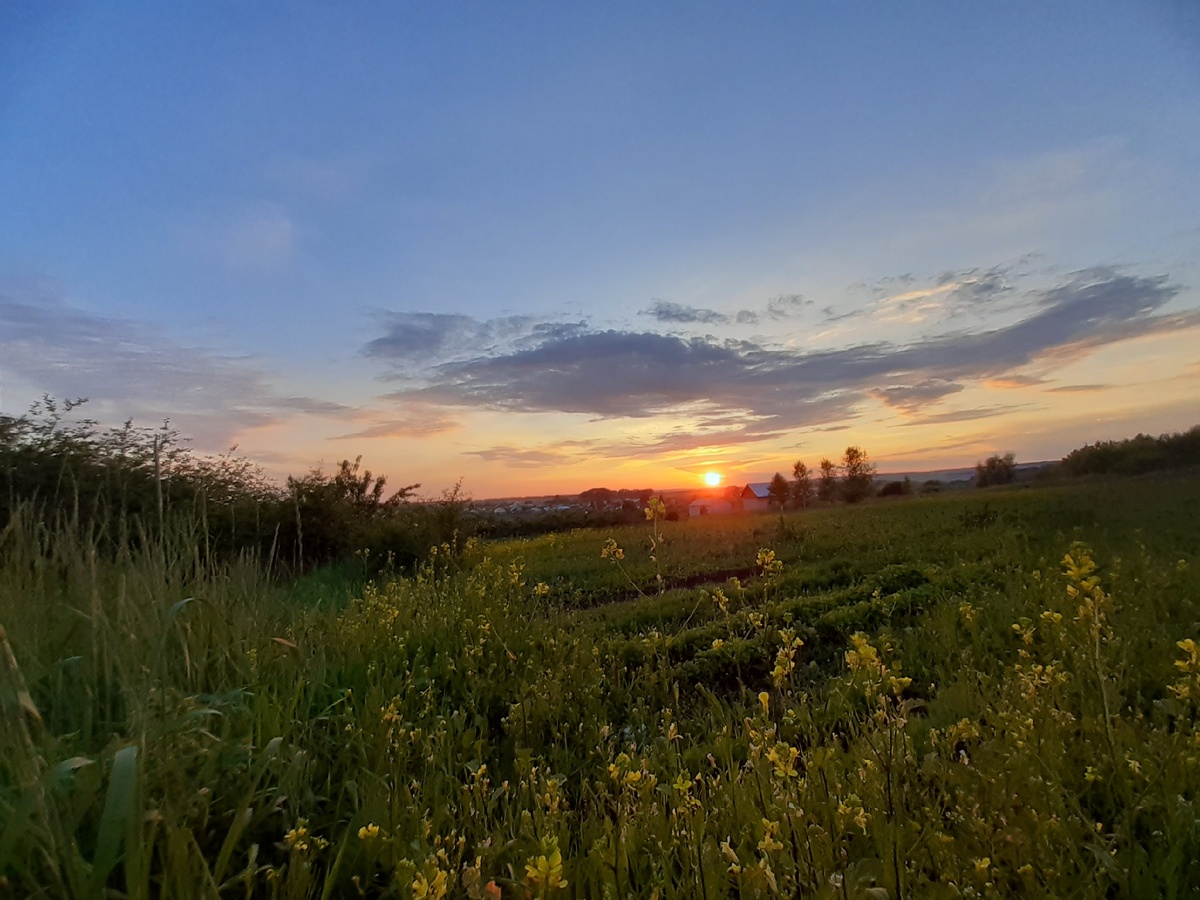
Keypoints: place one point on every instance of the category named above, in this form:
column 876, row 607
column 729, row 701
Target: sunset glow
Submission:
column 667, row 251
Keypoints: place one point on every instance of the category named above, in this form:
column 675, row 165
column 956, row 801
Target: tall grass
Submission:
column 936, row 698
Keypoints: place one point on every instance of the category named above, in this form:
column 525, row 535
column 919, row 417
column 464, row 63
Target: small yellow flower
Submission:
column 769, row 843
column 424, row 889
column 544, row 873
column 368, row 832
column 655, row 509
column 764, row 700
column 611, row 550
column 297, row 838
column 768, row 563
column 782, row 758
column 721, row 600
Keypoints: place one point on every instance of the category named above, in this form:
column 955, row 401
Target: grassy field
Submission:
column 994, row 694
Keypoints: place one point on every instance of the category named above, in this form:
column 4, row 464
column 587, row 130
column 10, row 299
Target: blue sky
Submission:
column 550, row 246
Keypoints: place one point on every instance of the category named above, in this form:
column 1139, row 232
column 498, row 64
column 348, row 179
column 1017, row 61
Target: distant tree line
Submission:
column 852, row 480
column 1136, row 455
column 602, row 497
column 131, row 485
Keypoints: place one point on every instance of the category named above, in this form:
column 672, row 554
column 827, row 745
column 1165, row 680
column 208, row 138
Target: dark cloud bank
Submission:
column 611, row 373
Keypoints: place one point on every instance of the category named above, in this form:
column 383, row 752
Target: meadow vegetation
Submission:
column 132, row 486
column 988, row 694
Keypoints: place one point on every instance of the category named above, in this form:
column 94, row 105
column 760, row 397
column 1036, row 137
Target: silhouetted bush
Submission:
column 127, row 486
column 1136, row 455
column 997, row 470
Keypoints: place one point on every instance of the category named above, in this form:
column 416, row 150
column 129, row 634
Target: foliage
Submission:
column 129, row 483
column 778, row 490
column 858, row 475
column 132, row 485
column 997, row 470
column 1136, row 455
column 827, row 485
column 803, row 489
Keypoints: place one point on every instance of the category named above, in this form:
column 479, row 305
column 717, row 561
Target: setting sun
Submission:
column 712, row 479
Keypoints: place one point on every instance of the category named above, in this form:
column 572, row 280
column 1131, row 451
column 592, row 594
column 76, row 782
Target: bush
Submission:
column 997, row 470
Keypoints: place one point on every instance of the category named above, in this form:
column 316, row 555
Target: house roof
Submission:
column 759, row 489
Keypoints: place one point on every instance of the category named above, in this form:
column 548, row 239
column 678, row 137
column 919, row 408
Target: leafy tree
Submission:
column 997, row 470
column 827, row 483
column 779, row 490
column 858, row 475
column 802, row 485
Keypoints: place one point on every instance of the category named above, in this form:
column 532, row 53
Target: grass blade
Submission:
column 244, row 814
column 118, row 804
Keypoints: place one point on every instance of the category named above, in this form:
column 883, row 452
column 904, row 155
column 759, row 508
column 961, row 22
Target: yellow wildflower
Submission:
column 769, row 843
column 544, row 873
column 424, row 889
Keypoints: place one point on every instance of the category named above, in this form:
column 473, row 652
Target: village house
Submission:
column 756, row 497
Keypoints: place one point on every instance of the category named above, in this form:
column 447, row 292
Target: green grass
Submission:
column 920, row 701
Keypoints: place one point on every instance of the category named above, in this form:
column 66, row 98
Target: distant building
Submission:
column 709, row 507
column 756, row 497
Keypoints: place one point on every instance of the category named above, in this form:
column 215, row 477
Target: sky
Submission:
column 544, row 247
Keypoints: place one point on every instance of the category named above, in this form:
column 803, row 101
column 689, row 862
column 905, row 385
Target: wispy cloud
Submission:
column 960, row 415
column 415, row 339
column 911, row 398
column 907, row 300
column 132, row 369
column 666, row 311
column 1078, row 388
column 783, row 306
column 559, row 453
column 1014, row 382
column 417, row 425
